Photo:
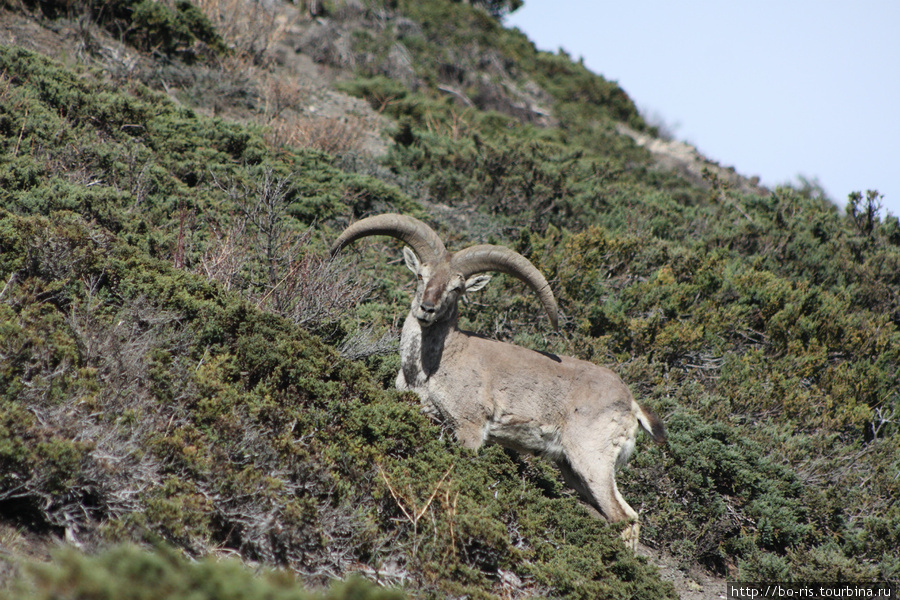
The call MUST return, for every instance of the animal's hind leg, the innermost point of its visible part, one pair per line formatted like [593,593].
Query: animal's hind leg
[593,475]
[469,434]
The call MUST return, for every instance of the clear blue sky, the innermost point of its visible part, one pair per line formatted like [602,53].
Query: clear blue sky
[778,89]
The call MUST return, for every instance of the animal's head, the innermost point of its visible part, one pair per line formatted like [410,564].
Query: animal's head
[444,277]
[439,287]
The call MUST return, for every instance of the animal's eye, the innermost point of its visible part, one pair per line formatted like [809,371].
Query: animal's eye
[419,276]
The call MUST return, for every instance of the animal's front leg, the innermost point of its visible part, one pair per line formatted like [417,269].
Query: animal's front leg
[429,410]
[400,382]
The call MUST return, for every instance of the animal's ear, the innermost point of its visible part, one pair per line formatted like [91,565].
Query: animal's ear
[411,260]
[477,282]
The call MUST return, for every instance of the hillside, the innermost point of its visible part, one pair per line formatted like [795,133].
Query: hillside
[184,377]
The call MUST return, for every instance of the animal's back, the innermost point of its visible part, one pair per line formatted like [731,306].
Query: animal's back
[543,386]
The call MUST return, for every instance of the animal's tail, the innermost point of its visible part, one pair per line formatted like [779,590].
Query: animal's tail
[651,424]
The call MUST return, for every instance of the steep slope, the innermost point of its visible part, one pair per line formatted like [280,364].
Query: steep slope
[142,402]
[761,325]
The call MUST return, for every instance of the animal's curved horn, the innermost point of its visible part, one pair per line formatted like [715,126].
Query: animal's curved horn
[485,257]
[419,236]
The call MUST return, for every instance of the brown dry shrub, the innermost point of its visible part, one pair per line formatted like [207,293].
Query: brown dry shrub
[251,29]
[265,256]
[278,96]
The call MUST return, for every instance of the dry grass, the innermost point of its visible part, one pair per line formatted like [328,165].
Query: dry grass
[334,135]
[282,112]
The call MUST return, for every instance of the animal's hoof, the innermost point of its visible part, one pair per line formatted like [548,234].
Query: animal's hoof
[631,534]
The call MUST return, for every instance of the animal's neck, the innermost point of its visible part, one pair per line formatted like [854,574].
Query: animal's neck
[421,348]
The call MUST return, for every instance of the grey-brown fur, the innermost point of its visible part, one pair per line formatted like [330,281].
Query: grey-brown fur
[580,415]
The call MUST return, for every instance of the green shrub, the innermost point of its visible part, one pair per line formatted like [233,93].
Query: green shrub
[150,26]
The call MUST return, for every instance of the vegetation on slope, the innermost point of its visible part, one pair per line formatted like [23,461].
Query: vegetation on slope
[129,573]
[763,326]
[141,401]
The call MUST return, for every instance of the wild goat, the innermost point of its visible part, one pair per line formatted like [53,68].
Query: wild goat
[580,415]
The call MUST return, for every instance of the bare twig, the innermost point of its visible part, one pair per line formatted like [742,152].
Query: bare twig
[9,282]
[413,515]
[21,133]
